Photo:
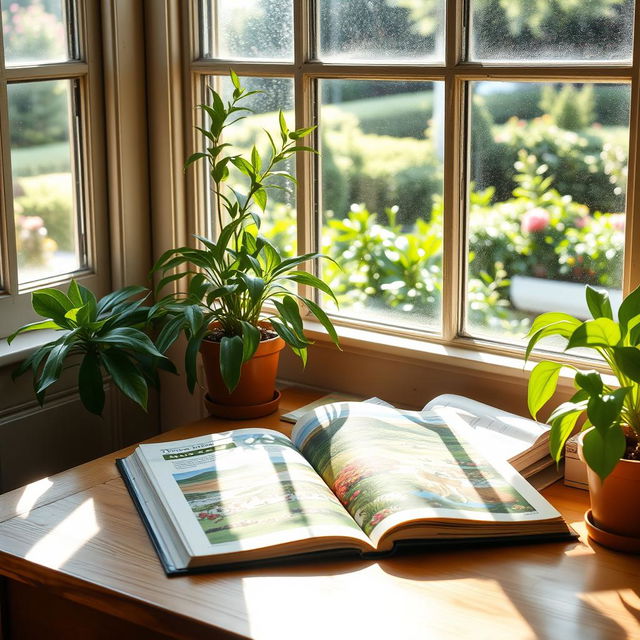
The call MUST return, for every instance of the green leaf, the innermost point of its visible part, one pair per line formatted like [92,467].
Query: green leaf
[288,335]
[126,376]
[323,319]
[290,263]
[163,282]
[130,338]
[290,311]
[604,411]
[191,358]
[250,340]
[115,297]
[309,280]
[169,333]
[629,309]
[73,293]
[563,328]
[590,381]
[302,354]
[598,303]
[35,326]
[51,303]
[53,366]
[552,317]
[542,384]
[90,384]
[255,286]
[601,332]
[193,157]
[628,361]
[234,79]
[284,130]
[563,421]
[256,161]
[301,133]
[231,358]
[603,450]
[243,166]
[260,196]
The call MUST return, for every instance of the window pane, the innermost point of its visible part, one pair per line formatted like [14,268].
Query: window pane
[46,214]
[373,30]
[382,198]
[34,31]
[547,200]
[279,220]
[564,30]
[247,29]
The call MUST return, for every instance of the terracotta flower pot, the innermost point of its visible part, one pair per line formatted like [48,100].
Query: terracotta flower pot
[256,393]
[614,518]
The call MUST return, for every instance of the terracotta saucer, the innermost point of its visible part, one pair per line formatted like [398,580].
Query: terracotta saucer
[610,540]
[242,412]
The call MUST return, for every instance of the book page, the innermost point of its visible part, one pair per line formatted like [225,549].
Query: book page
[242,489]
[506,434]
[388,466]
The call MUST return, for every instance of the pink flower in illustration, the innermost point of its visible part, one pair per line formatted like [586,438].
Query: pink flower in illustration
[535,220]
[380,516]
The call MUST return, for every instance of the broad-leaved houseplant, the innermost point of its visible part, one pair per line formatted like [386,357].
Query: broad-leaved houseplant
[237,303]
[607,409]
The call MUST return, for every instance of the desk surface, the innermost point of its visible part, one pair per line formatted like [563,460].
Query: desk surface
[78,536]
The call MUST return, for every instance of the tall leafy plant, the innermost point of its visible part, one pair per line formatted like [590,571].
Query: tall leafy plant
[100,337]
[614,410]
[230,279]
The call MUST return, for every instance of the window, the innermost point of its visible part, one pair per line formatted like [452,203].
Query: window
[51,213]
[474,155]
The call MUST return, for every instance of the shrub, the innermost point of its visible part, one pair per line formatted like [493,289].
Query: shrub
[50,197]
[574,159]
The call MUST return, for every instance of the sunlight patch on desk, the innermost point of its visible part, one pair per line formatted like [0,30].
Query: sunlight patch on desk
[30,496]
[607,601]
[65,539]
[374,603]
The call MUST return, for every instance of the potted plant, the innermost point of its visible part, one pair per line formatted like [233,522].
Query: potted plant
[230,279]
[100,337]
[609,408]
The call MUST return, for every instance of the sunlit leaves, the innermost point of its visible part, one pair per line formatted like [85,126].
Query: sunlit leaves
[231,278]
[542,384]
[105,337]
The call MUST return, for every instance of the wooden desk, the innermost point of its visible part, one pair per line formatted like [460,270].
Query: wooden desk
[78,564]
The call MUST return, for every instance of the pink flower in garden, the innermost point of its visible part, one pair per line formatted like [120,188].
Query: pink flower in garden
[582,221]
[535,220]
[31,223]
[618,221]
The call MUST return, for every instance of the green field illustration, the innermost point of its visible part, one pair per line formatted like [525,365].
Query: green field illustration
[377,466]
[249,501]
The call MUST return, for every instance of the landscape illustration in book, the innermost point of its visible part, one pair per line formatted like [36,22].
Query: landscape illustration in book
[256,490]
[405,461]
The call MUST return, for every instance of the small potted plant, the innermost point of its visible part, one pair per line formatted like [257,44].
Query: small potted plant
[609,410]
[229,280]
[101,337]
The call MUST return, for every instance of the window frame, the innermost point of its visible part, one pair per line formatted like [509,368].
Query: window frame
[88,161]
[456,73]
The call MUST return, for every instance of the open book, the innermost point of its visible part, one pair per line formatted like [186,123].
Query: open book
[356,477]
[522,442]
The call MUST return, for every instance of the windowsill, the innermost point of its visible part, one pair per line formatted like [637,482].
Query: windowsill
[24,345]
[389,346]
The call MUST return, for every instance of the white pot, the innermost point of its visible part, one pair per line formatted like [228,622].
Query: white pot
[538,295]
